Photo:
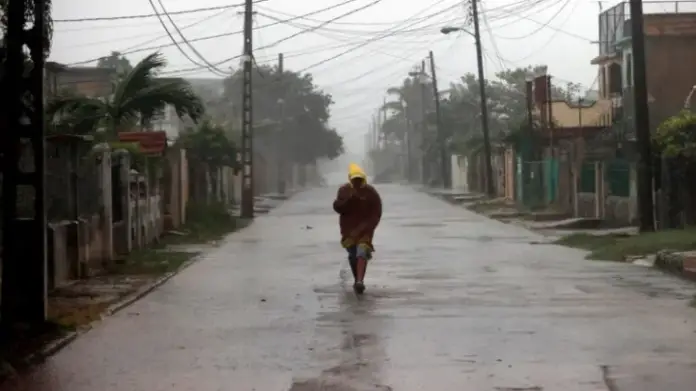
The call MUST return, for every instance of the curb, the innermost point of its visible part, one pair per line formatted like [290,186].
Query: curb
[670,261]
[57,345]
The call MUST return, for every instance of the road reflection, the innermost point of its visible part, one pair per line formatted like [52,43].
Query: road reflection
[361,352]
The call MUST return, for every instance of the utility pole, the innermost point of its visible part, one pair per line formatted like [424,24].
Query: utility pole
[442,141]
[424,98]
[281,136]
[642,120]
[247,210]
[490,185]
[24,276]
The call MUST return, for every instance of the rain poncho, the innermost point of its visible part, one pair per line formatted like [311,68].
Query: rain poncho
[360,210]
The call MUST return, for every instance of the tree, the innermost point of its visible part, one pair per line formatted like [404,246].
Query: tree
[408,107]
[290,99]
[507,104]
[208,150]
[117,62]
[139,97]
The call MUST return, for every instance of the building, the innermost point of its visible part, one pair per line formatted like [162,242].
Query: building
[670,45]
[91,82]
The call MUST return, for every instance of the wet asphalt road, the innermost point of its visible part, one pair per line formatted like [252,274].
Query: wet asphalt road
[454,301]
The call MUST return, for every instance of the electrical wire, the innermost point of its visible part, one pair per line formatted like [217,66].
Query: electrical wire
[331,33]
[181,50]
[143,16]
[552,37]
[215,36]
[212,67]
[491,36]
[361,8]
[379,37]
[562,8]
[157,38]
[364,43]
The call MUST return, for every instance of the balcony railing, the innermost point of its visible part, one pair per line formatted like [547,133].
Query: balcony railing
[614,23]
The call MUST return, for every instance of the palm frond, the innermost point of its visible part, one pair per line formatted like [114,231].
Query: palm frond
[159,94]
[75,114]
[142,76]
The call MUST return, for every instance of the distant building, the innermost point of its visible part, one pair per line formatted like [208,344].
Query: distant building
[207,88]
[91,82]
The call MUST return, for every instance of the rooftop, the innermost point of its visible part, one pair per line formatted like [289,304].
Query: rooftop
[151,143]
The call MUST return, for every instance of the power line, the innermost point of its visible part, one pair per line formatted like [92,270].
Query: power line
[545,24]
[209,37]
[345,32]
[158,37]
[371,4]
[387,34]
[554,35]
[359,45]
[212,67]
[143,16]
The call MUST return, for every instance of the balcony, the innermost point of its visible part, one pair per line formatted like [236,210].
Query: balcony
[615,26]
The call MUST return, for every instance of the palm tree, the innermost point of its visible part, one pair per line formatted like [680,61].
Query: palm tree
[138,98]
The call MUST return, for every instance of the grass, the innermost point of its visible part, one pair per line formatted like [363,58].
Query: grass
[205,224]
[617,247]
[151,261]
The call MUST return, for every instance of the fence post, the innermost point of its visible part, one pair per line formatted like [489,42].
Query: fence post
[107,227]
[125,200]
[575,178]
[597,190]
[146,212]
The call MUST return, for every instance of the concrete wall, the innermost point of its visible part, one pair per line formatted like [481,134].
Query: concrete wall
[570,114]
[459,172]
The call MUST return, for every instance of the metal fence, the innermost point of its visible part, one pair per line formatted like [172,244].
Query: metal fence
[617,174]
[587,178]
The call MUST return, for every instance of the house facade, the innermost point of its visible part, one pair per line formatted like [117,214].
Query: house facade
[670,55]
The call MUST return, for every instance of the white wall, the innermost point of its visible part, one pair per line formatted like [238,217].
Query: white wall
[459,166]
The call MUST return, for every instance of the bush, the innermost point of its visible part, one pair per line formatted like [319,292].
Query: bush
[676,137]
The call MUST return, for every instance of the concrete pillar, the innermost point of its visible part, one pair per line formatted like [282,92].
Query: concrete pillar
[126,200]
[600,194]
[146,207]
[107,226]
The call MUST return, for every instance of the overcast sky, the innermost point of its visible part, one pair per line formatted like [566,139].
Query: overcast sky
[388,38]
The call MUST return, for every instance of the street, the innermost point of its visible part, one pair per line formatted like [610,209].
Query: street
[454,301]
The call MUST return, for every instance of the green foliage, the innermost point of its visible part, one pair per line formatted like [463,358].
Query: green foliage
[139,97]
[292,104]
[209,144]
[676,137]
